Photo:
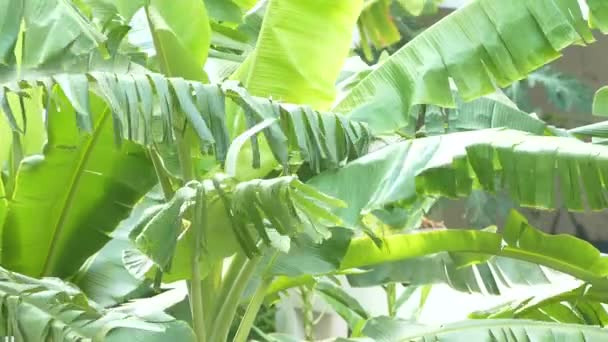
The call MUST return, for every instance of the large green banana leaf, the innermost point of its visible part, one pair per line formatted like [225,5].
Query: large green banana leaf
[454,164]
[53,44]
[520,241]
[300,51]
[278,69]
[49,309]
[485,44]
[384,329]
[491,277]
[492,111]
[104,277]
[580,305]
[293,210]
[324,140]
[181,45]
[526,246]
[24,134]
[79,190]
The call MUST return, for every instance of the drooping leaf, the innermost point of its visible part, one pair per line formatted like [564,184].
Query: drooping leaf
[478,46]
[383,329]
[580,258]
[454,164]
[324,140]
[48,44]
[104,277]
[364,251]
[277,69]
[307,258]
[79,189]
[580,305]
[182,45]
[344,304]
[158,237]
[491,277]
[49,309]
[243,213]
[224,10]
[600,103]
[520,242]
[483,209]
[492,111]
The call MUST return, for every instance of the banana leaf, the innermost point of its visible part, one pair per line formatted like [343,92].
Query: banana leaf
[50,309]
[479,47]
[80,188]
[383,329]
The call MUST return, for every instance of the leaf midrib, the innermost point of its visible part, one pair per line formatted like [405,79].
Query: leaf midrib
[501,323]
[73,187]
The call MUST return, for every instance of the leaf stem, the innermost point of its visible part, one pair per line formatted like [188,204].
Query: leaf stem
[196,291]
[252,310]
[391,299]
[234,289]
[256,302]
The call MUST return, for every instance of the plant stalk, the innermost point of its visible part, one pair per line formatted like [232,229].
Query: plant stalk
[308,312]
[256,302]
[211,288]
[252,310]
[235,289]
[391,299]
[196,291]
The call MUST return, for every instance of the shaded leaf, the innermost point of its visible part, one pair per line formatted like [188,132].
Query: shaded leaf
[131,97]
[80,189]
[104,277]
[492,277]
[600,103]
[385,329]
[580,305]
[38,310]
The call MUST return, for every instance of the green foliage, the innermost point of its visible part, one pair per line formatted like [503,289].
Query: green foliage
[600,103]
[49,309]
[581,305]
[475,40]
[308,194]
[563,91]
[386,330]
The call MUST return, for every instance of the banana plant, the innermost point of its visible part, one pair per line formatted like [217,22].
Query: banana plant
[125,174]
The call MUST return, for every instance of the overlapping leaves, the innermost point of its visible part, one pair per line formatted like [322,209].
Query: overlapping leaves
[385,329]
[143,110]
[246,212]
[580,305]
[478,47]
[49,309]
[48,44]
[529,167]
